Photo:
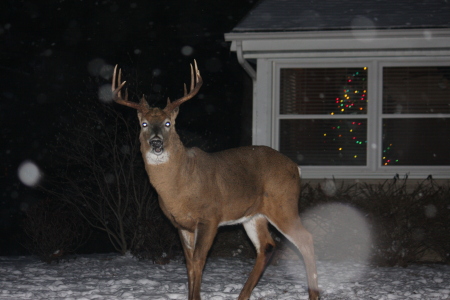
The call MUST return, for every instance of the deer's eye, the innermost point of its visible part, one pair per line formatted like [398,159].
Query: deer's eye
[167,124]
[144,124]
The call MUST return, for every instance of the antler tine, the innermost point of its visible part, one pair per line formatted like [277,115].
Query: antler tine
[192,75]
[196,83]
[117,91]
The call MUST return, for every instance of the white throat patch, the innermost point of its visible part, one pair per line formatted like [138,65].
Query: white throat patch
[153,159]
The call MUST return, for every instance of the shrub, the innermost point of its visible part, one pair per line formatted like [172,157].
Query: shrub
[408,220]
[408,223]
[232,241]
[156,238]
[53,231]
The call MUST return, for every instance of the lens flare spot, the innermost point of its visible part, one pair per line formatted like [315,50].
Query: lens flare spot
[29,174]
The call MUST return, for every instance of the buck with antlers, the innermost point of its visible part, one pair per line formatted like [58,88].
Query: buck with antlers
[201,191]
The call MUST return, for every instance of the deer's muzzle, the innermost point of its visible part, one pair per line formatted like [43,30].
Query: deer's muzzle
[157,146]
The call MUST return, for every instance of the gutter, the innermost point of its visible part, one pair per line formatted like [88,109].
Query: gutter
[240,56]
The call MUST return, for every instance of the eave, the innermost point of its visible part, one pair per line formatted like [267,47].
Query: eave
[258,44]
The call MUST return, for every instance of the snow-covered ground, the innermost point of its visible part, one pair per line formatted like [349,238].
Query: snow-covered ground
[123,277]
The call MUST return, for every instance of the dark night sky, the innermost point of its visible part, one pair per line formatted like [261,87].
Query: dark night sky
[49,50]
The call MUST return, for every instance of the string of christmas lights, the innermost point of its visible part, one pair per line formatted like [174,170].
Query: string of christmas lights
[352,101]
[386,159]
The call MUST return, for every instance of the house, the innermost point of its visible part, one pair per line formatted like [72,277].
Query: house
[351,89]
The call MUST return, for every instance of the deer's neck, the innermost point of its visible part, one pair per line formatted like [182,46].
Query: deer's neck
[168,168]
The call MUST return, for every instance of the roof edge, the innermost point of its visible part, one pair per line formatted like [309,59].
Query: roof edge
[428,33]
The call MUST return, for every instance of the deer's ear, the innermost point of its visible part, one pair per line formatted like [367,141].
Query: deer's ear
[143,103]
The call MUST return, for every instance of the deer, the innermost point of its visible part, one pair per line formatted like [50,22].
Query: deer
[200,191]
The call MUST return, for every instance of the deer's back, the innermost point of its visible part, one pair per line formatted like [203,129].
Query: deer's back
[250,170]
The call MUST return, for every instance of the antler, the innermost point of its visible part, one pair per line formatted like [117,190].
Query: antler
[116,88]
[196,83]
[117,85]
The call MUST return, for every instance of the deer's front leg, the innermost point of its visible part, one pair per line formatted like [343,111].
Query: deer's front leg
[196,246]
[188,242]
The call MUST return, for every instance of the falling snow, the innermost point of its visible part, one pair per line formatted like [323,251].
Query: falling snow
[187,50]
[105,93]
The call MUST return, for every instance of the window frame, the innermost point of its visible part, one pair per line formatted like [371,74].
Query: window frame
[374,167]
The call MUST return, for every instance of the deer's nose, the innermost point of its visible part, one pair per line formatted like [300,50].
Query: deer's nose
[157,145]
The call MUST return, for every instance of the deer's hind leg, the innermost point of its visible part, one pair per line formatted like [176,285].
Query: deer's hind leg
[258,232]
[290,225]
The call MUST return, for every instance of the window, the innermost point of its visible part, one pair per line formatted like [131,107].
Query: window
[415,131]
[371,116]
[330,122]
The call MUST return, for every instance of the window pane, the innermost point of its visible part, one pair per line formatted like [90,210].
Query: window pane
[409,90]
[322,142]
[416,142]
[323,91]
